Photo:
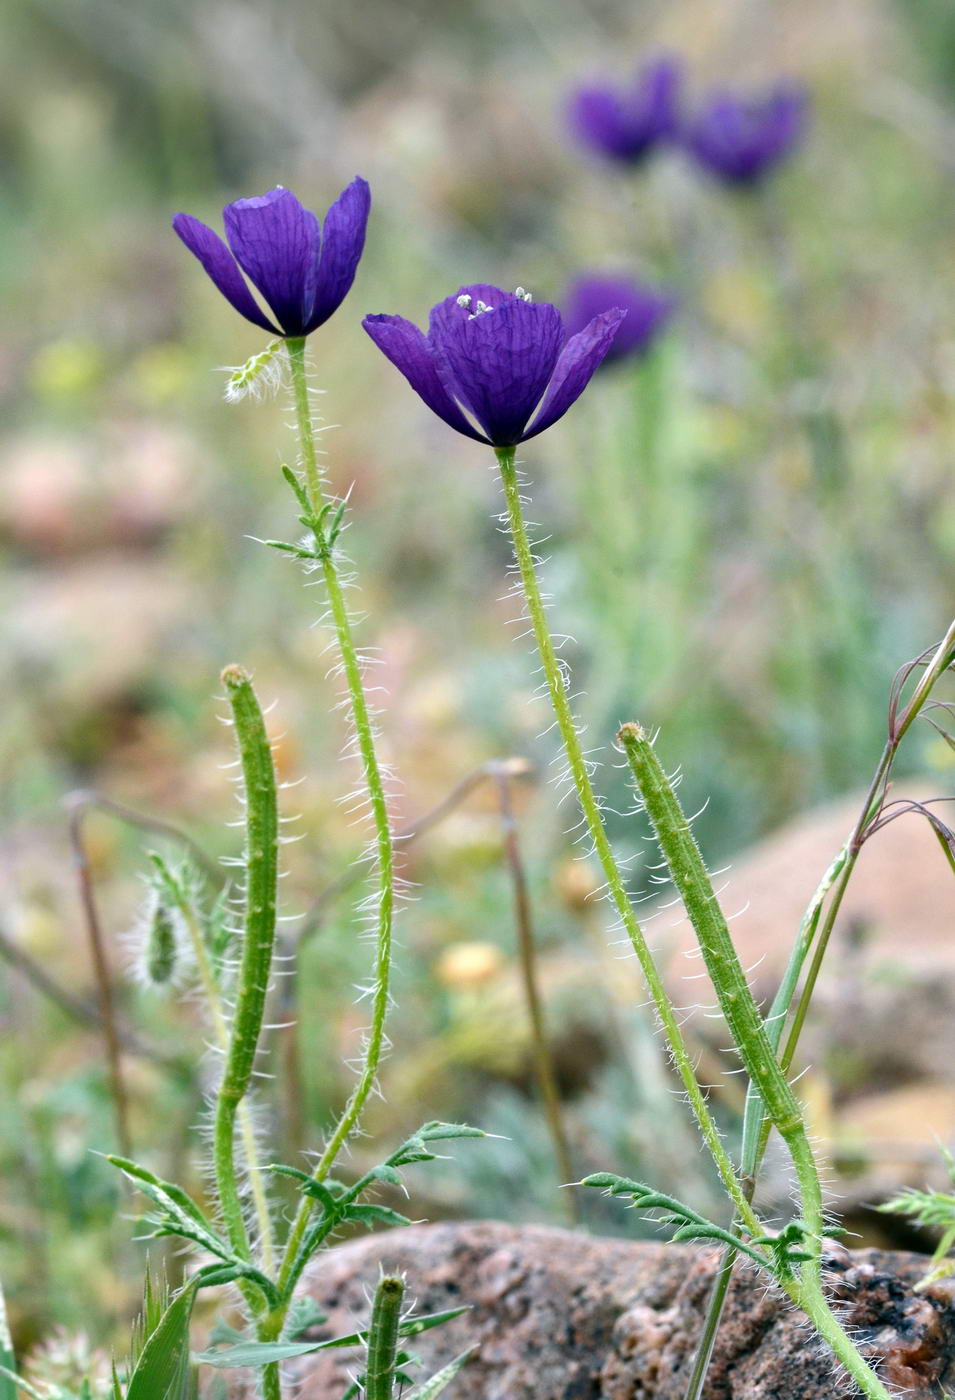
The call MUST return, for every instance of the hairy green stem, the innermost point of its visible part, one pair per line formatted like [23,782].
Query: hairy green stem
[756,1126]
[384,841]
[754,1122]
[261,873]
[220,1027]
[601,842]
[692,882]
[756,1050]
[383,1338]
[814,934]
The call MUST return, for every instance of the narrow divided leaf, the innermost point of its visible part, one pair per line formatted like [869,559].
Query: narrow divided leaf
[428,1389]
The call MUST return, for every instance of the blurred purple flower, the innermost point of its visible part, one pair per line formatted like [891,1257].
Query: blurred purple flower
[740,140]
[500,357]
[648,311]
[303,272]
[626,123]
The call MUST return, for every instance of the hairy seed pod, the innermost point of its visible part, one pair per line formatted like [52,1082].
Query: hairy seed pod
[160,946]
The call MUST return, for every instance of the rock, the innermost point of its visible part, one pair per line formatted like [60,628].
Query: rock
[559,1316]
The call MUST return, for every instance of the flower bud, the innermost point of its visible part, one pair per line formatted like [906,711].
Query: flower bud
[160,946]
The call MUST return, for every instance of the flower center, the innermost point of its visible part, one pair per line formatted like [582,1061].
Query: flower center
[480,307]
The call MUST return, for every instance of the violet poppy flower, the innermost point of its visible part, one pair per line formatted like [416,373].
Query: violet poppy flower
[625,124]
[303,272]
[648,311]
[740,140]
[498,356]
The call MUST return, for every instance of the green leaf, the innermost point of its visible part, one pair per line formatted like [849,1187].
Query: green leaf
[303,1313]
[375,1215]
[222,1333]
[180,1216]
[164,1193]
[414,1326]
[162,1371]
[317,1190]
[428,1389]
[616,1185]
[293,549]
[436,1131]
[261,1353]
[386,1172]
[255,1353]
[297,487]
[693,1226]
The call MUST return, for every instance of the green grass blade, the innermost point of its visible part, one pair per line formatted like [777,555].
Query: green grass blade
[162,1371]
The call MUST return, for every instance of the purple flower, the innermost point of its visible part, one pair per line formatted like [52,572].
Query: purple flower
[498,356]
[303,272]
[625,124]
[648,311]
[741,139]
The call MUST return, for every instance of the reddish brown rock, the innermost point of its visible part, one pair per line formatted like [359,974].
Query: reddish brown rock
[559,1316]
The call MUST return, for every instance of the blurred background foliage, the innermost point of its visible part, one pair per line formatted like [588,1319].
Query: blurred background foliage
[747,532]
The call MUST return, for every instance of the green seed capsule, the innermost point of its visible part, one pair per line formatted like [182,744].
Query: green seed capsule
[160,946]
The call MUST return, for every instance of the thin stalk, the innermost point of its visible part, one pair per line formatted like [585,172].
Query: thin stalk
[104,980]
[899,727]
[384,842]
[85,1013]
[405,836]
[261,874]
[543,1063]
[143,821]
[604,852]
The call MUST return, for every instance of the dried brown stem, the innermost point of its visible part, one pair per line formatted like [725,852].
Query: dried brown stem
[543,1062]
[104,983]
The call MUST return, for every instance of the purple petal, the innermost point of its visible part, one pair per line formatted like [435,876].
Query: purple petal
[579,358]
[276,242]
[408,350]
[626,123]
[498,361]
[648,311]
[221,266]
[597,116]
[741,139]
[343,238]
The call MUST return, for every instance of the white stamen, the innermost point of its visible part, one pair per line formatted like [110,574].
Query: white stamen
[482,307]
[522,295]
[464,299]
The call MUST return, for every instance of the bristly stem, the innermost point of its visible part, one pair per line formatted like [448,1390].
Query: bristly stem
[543,1061]
[374,782]
[220,1027]
[261,874]
[592,815]
[814,934]
[756,1050]
[688,873]
[383,1338]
